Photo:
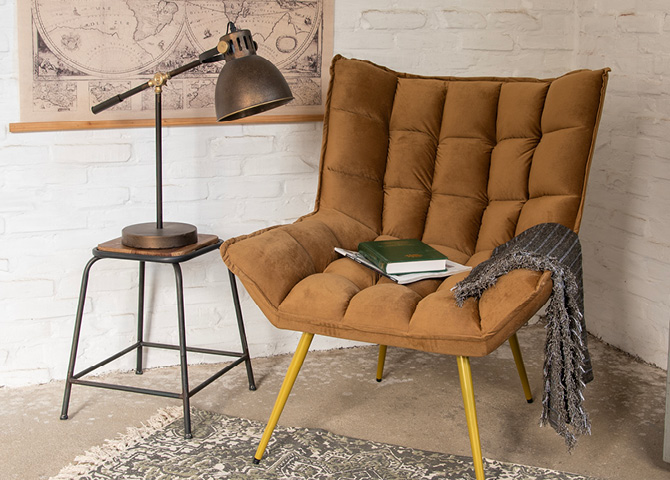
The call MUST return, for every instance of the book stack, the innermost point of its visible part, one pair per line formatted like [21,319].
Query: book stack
[404,261]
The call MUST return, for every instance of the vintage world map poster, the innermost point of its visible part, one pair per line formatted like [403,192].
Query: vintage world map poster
[77,53]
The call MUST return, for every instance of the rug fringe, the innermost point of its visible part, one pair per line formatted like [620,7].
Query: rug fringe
[113,448]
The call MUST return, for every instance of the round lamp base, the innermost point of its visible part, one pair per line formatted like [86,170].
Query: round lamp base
[147,236]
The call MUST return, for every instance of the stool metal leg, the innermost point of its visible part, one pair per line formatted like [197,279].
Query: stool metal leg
[140,319]
[182,351]
[75,338]
[243,335]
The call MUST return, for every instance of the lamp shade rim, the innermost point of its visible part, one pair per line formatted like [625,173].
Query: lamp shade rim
[236,114]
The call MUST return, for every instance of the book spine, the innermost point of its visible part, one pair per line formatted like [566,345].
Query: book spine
[373,256]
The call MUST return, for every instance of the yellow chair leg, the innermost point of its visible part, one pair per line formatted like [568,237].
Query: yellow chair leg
[380,362]
[518,359]
[467,389]
[284,392]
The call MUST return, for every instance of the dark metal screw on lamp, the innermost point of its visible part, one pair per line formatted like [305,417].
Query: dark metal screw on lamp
[248,84]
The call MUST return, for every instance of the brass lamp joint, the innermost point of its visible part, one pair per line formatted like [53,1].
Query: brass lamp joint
[158,81]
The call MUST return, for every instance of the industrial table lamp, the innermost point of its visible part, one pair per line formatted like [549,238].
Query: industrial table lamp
[248,84]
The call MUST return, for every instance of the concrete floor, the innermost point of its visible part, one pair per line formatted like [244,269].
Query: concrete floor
[417,405]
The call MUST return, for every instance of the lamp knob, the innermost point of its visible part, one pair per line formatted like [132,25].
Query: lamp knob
[222,47]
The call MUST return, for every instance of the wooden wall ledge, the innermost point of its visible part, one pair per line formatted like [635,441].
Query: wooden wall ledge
[22,127]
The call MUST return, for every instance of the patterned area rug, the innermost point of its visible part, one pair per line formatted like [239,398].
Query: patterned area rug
[223,447]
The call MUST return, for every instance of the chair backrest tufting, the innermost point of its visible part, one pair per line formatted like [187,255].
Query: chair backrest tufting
[462,162]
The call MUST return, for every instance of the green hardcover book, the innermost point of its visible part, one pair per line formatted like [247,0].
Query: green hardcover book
[403,256]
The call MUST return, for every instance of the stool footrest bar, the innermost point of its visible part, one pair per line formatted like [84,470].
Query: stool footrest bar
[216,376]
[106,361]
[207,351]
[127,388]
[76,379]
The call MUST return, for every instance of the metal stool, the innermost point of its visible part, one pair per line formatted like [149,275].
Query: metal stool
[116,250]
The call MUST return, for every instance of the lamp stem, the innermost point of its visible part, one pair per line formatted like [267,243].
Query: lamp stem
[159,160]
[169,234]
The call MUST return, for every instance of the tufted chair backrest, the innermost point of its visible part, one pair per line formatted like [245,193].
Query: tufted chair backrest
[466,163]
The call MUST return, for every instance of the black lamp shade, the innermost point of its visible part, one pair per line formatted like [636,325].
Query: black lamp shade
[247,86]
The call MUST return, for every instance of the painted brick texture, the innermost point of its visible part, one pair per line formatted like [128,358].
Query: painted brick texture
[63,193]
[626,229]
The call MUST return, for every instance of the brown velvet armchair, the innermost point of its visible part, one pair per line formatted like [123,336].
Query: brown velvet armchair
[463,164]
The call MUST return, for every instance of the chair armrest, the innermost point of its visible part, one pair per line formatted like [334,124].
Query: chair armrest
[270,262]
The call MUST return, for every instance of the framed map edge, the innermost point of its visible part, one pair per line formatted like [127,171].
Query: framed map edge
[285,114]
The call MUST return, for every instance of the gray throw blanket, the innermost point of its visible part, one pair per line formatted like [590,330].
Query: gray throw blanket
[567,364]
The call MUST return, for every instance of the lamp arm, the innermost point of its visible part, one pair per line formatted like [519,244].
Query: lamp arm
[214,54]
[184,68]
[116,99]
[209,56]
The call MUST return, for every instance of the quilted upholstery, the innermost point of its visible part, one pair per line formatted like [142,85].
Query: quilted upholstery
[463,164]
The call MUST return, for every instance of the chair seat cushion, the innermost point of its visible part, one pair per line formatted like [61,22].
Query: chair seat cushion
[346,301]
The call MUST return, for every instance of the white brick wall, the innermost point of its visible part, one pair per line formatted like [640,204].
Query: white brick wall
[62,193]
[626,229]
